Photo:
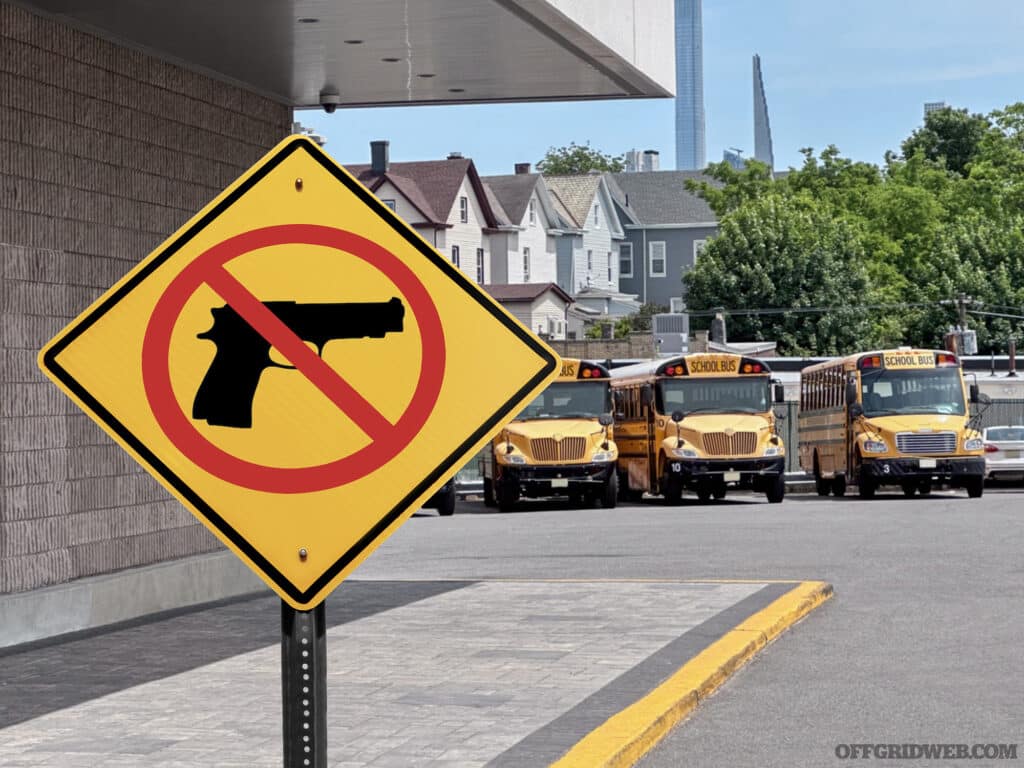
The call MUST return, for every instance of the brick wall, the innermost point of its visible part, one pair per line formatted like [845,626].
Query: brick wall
[636,346]
[104,152]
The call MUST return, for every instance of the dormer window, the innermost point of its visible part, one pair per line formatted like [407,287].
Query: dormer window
[464,210]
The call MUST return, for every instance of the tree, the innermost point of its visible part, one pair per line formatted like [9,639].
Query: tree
[573,159]
[952,136]
[782,253]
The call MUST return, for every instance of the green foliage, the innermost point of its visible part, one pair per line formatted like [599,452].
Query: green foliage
[892,245]
[577,158]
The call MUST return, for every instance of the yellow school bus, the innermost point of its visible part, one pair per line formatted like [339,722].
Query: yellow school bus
[892,417]
[702,422]
[561,444]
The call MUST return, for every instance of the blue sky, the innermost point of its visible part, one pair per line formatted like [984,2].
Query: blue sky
[854,74]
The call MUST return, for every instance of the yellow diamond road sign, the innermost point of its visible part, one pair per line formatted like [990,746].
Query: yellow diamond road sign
[299,368]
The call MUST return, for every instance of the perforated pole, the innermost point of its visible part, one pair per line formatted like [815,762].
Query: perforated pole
[304,686]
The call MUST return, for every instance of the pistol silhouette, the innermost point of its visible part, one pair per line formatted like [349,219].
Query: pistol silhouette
[225,396]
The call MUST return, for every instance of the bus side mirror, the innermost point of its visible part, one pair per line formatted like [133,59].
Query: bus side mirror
[605,420]
[856,410]
[851,392]
[975,393]
[779,392]
[677,416]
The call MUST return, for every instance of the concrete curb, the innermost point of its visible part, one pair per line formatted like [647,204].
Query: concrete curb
[627,736]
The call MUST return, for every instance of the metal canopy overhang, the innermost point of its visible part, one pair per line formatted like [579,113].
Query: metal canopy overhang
[400,52]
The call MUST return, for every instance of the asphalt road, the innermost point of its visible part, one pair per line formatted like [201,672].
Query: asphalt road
[921,644]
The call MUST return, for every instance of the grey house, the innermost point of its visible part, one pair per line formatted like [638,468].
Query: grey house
[665,227]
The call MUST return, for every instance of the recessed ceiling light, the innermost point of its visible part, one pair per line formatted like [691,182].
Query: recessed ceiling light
[426,74]
[308,20]
[390,59]
[354,42]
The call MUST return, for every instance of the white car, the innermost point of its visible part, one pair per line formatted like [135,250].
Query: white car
[1004,451]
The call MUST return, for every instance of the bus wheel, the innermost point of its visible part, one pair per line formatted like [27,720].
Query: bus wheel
[866,487]
[507,498]
[489,492]
[446,506]
[839,485]
[776,490]
[975,487]
[909,489]
[703,494]
[610,494]
[673,491]
[821,485]
[718,492]
[925,488]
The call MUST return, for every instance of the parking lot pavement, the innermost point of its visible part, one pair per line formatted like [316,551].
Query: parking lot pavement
[440,673]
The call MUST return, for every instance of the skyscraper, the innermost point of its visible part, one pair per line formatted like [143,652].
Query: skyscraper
[762,128]
[689,86]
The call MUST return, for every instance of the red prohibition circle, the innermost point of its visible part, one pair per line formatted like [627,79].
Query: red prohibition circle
[384,445]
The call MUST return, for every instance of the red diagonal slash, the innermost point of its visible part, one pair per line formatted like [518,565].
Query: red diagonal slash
[282,338]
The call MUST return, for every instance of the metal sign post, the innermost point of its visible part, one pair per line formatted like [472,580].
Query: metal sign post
[304,686]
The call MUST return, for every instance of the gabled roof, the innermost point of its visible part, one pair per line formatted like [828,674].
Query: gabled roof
[576,193]
[661,197]
[524,291]
[430,185]
[514,192]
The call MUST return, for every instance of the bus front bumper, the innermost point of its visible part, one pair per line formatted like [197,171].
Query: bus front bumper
[950,470]
[743,471]
[556,480]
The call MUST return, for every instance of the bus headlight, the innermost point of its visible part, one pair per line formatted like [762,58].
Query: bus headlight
[875,446]
[771,450]
[684,453]
[603,456]
[512,458]
[974,444]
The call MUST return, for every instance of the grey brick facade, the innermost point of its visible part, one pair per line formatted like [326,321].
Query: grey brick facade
[104,152]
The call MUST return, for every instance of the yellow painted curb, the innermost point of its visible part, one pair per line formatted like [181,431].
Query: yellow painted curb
[624,738]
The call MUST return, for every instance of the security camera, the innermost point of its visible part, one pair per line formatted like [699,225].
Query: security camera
[329,99]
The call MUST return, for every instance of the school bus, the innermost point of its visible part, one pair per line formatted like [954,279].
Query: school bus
[560,444]
[891,417]
[702,422]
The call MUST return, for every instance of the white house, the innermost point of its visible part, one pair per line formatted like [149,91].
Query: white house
[541,307]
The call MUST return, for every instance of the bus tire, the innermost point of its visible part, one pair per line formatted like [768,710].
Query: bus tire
[610,494]
[489,493]
[776,490]
[673,491]
[718,492]
[446,503]
[975,487]
[821,485]
[925,488]
[703,494]
[909,489]
[866,487]
[507,498]
[839,486]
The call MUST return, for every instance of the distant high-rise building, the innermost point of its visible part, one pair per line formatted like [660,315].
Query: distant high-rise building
[689,86]
[640,162]
[933,106]
[734,157]
[762,128]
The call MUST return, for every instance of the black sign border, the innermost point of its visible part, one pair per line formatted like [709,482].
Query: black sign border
[368,540]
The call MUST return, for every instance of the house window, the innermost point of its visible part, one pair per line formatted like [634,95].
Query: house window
[464,209]
[626,260]
[389,203]
[656,253]
[533,212]
[455,255]
[698,246]
[590,261]
[609,266]
[597,216]
[480,265]
[526,265]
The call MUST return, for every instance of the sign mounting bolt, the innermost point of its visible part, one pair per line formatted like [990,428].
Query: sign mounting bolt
[298,185]
[303,554]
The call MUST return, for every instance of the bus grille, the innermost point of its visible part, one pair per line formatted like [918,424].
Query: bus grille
[567,449]
[927,442]
[721,444]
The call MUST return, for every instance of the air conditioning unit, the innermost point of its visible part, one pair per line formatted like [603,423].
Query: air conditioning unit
[671,333]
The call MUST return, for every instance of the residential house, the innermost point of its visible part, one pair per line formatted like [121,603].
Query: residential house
[541,307]
[665,228]
[524,248]
[443,200]
[588,250]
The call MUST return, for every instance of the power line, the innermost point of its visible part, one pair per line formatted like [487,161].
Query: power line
[802,310]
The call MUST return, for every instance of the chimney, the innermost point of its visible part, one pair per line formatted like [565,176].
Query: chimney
[454,155]
[379,156]
[522,168]
[718,327]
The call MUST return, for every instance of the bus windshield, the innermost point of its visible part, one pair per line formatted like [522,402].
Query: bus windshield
[714,395]
[569,400]
[935,390]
